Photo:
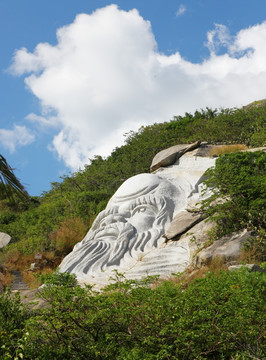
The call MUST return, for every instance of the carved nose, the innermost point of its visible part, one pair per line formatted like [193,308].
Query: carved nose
[111,219]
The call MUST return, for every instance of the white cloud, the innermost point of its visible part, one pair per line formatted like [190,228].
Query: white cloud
[18,136]
[42,121]
[181,10]
[105,77]
[218,37]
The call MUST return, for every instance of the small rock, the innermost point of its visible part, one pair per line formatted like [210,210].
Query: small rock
[4,239]
[32,267]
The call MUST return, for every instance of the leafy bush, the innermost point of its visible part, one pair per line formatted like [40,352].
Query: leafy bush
[59,279]
[238,181]
[219,317]
[85,193]
[13,316]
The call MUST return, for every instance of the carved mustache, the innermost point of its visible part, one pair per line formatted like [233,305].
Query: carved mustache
[116,230]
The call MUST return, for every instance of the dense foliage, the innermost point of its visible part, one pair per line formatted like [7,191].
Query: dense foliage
[220,316]
[217,317]
[79,197]
[238,182]
[13,316]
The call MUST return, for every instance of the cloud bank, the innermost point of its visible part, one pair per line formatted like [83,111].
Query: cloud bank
[106,76]
[18,136]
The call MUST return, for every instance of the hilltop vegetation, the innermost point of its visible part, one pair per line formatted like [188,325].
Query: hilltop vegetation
[53,222]
[218,315]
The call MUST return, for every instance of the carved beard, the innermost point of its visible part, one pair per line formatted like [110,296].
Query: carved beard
[117,245]
[118,248]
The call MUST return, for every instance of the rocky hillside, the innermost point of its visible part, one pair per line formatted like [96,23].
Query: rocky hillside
[52,223]
[206,312]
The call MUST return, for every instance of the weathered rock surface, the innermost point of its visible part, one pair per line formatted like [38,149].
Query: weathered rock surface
[196,237]
[31,299]
[255,149]
[228,248]
[128,235]
[4,239]
[182,222]
[252,267]
[169,156]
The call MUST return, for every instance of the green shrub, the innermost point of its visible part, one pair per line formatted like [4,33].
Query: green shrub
[219,317]
[238,181]
[85,193]
[13,316]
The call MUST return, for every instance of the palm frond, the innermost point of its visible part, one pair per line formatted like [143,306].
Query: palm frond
[9,182]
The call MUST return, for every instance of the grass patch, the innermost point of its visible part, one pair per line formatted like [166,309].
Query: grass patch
[226,149]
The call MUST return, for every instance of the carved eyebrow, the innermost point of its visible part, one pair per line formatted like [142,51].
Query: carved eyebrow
[144,200]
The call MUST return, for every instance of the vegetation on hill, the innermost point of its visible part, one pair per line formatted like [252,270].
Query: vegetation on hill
[238,181]
[220,315]
[41,224]
[217,317]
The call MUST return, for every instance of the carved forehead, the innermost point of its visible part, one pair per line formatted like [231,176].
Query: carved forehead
[135,187]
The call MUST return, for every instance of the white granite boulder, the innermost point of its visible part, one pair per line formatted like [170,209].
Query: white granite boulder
[128,236]
[4,239]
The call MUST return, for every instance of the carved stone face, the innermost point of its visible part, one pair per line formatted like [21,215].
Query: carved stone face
[130,227]
[128,234]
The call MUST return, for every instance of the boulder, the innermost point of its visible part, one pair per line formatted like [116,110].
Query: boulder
[169,156]
[182,222]
[128,235]
[252,267]
[263,148]
[32,300]
[197,236]
[228,248]
[4,239]
[204,149]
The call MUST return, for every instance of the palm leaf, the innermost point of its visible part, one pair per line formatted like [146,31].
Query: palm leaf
[9,182]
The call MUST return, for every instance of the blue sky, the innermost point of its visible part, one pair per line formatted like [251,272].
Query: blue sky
[69,94]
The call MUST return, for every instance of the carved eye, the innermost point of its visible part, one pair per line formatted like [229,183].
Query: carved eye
[139,209]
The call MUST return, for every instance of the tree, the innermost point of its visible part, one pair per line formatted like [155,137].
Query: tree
[9,183]
[238,201]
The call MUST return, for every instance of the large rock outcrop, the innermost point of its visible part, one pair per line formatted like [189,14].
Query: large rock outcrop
[228,248]
[152,225]
[133,234]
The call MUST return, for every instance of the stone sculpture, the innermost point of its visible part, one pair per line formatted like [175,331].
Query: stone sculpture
[129,235]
